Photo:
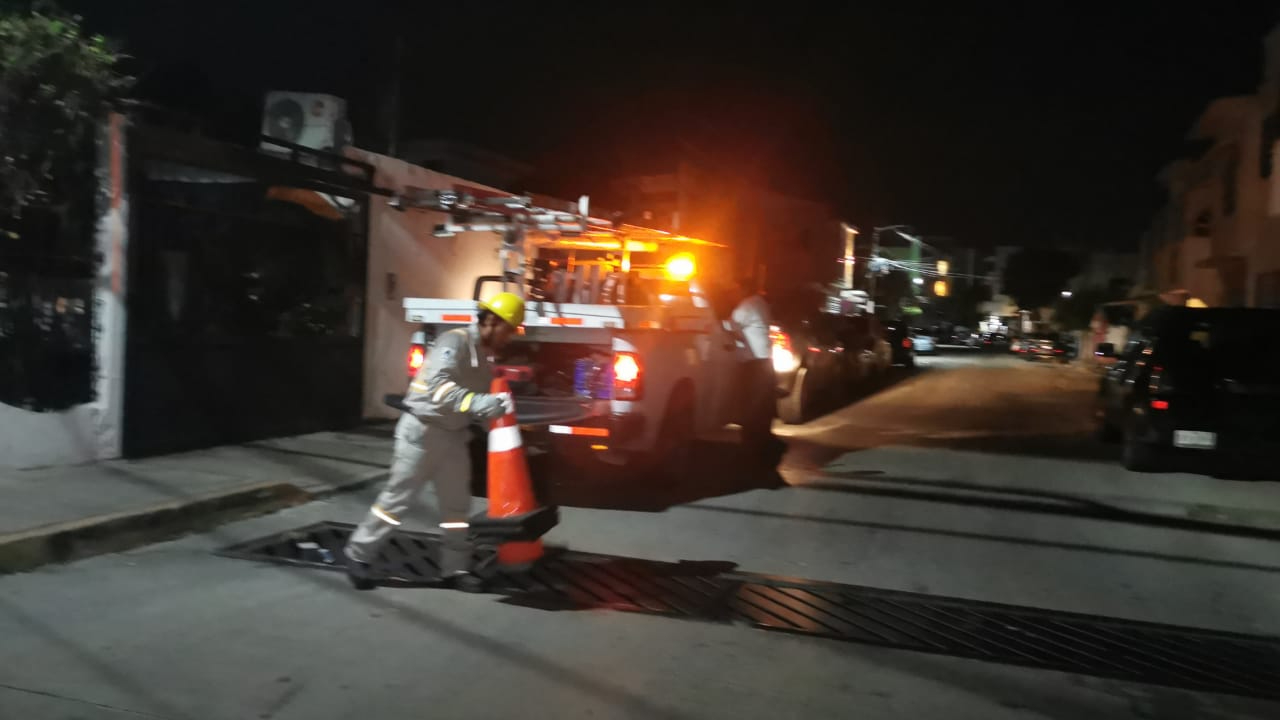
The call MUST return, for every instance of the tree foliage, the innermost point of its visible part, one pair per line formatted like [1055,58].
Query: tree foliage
[1034,277]
[56,82]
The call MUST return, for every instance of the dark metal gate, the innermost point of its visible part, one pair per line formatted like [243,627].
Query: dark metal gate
[246,292]
[1169,655]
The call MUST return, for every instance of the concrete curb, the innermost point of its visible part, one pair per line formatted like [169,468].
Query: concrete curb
[357,483]
[116,532]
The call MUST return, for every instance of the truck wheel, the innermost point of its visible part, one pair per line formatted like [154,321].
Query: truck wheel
[673,456]
[1108,432]
[1137,455]
[793,408]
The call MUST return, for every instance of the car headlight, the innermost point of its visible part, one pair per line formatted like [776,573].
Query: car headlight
[784,361]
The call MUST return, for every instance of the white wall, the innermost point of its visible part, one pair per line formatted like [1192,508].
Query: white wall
[400,243]
[91,431]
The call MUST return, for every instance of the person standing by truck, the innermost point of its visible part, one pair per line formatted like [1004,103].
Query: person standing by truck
[449,392]
[751,322]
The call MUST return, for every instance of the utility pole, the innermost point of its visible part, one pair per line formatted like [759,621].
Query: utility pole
[916,280]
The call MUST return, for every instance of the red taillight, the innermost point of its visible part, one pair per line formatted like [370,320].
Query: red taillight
[1059,351]
[417,356]
[626,376]
[1159,404]
[906,343]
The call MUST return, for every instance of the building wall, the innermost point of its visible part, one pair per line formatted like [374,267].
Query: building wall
[1234,258]
[90,431]
[1266,275]
[1179,268]
[406,261]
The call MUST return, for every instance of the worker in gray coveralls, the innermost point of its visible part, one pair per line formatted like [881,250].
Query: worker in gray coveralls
[450,391]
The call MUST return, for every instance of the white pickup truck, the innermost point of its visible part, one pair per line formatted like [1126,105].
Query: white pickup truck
[626,381]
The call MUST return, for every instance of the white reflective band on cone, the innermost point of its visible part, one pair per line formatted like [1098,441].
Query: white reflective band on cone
[504,438]
[455,525]
[384,516]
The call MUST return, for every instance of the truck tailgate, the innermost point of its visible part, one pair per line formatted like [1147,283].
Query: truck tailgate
[535,410]
[553,411]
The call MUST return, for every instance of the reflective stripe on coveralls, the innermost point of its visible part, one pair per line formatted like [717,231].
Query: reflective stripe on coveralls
[432,447]
[423,454]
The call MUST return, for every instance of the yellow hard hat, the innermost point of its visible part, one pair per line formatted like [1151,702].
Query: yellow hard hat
[508,306]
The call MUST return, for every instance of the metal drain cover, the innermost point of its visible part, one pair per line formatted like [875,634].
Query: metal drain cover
[1190,658]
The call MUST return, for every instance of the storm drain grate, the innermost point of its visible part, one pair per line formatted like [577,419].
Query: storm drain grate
[1090,645]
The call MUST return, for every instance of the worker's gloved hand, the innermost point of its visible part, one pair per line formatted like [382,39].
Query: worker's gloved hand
[508,403]
[488,406]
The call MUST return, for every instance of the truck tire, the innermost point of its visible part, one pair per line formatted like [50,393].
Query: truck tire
[1138,456]
[673,456]
[793,408]
[1107,432]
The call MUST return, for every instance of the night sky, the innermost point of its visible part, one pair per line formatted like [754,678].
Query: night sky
[1032,124]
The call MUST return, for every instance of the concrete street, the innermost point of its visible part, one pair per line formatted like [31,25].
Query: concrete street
[976,477]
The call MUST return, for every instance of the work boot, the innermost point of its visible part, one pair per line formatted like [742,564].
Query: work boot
[466,582]
[360,574]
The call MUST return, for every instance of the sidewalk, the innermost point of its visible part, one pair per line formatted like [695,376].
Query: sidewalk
[63,513]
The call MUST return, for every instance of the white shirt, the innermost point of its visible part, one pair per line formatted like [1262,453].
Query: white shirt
[751,321]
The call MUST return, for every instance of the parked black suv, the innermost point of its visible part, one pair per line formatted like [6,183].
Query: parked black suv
[1196,383]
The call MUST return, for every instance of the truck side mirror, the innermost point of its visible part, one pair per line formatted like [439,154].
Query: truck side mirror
[1105,350]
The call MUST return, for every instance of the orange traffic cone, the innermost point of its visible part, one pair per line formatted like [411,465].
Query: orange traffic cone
[510,489]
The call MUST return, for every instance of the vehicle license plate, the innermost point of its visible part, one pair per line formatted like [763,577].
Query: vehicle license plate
[1195,439]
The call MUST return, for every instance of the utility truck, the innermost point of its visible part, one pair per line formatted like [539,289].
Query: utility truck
[626,355]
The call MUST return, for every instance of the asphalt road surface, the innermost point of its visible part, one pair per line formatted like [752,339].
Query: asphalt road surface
[975,477]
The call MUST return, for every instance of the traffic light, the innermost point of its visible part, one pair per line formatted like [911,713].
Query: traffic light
[940,288]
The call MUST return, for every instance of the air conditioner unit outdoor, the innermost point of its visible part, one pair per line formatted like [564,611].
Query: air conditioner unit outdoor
[309,119]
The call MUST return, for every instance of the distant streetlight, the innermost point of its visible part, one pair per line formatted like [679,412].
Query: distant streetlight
[1066,293]
[918,280]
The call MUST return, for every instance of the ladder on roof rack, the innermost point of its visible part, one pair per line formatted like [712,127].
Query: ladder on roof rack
[474,210]
[518,217]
